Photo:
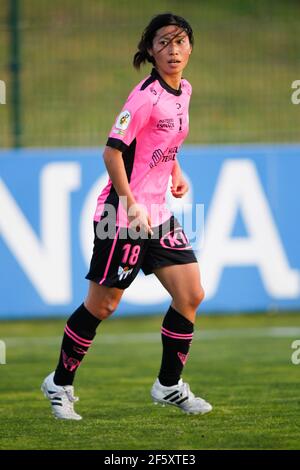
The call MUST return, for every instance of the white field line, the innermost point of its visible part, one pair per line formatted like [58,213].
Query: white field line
[206,335]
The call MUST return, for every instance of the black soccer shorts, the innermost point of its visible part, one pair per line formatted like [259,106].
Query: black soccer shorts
[116,261]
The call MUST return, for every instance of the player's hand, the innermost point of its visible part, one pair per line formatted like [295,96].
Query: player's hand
[139,219]
[179,186]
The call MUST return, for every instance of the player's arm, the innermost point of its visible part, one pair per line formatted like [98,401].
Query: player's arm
[179,185]
[115,166]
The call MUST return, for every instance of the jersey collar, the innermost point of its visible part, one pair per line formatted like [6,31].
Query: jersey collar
[155,74]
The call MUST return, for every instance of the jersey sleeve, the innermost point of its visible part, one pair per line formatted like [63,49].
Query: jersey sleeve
[133,118]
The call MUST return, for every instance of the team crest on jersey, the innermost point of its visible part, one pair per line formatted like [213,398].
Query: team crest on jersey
[123,120]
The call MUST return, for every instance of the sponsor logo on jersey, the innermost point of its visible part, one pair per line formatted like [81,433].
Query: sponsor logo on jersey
[176,240]
[123,120]
[158,156]
[171,155]
[124,272]
[166,124]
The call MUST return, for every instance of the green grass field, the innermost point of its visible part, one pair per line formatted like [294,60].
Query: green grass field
[241,364]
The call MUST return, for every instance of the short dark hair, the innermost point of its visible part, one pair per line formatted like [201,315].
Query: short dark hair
[157,22]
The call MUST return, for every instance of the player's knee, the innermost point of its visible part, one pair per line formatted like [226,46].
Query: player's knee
[201,295]
[190,300]
[103,309]
[196,297]
[107,309]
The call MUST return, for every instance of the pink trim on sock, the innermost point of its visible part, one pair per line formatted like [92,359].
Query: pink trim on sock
[79,350]
[110,257]
[76,338]
[172,334]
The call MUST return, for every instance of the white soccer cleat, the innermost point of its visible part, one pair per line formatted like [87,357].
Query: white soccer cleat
[61,398]
[179,395]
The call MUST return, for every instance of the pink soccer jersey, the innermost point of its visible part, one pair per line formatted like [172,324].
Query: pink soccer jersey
[149,131]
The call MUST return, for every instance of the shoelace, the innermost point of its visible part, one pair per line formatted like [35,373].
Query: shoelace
[198,399]
[66,392]
[70,395]
[186,391]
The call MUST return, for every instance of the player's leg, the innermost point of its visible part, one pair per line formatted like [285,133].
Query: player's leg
[79,333]
[171,258]
[114,265]
[80,329]
[102,301]
[184,285]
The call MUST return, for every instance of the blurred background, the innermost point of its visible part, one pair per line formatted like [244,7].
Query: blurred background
[67,65]
[67,69]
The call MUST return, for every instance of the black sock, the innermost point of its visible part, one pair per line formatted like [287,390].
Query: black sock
[80,331]
[176,335]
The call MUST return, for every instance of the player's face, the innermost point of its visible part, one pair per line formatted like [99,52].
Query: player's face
[171,49]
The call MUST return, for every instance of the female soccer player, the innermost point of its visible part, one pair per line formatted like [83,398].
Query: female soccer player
[140,156]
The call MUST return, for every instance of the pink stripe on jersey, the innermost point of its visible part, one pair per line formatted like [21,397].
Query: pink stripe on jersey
[110,257]
[172,334]
[76,338]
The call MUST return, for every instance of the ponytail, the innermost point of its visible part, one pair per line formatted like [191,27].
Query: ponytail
[142,55]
